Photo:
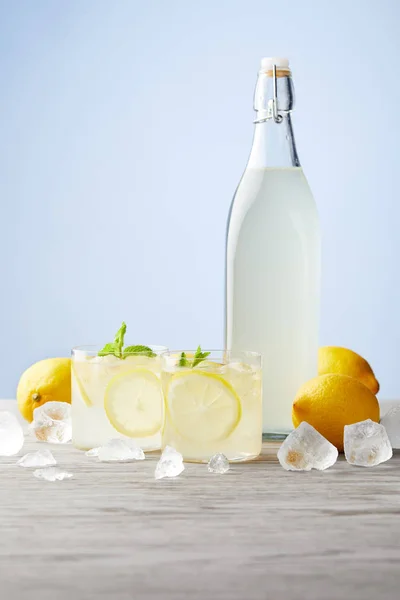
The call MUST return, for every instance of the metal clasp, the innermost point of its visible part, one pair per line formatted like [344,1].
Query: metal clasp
[272,109]
[277,117]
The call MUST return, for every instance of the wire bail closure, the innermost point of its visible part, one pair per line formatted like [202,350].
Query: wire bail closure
[276,116]
[272,110]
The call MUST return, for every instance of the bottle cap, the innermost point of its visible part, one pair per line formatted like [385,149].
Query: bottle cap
[281,63]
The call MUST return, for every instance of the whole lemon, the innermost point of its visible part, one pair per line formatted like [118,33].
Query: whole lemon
[333,359]
[46,380]
[329,402]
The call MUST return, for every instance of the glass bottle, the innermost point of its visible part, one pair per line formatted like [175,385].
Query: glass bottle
[273,254]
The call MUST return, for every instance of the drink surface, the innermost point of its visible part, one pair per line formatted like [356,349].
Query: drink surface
[272,286]
[213,408]
[116,398]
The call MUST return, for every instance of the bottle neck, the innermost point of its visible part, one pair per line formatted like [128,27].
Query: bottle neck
[273,143]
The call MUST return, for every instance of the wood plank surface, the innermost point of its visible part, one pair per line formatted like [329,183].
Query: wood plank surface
[257,532]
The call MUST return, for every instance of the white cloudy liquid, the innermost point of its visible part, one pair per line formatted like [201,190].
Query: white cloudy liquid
[272,287]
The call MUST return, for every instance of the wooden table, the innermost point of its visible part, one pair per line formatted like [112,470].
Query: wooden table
[257,532]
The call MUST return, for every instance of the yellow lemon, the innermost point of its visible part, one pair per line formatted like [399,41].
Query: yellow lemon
[46,380]
[329,402]
[333,359]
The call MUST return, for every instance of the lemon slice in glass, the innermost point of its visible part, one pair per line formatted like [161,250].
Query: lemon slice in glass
[77,380]
[202,406]
[92,376]
[133,403]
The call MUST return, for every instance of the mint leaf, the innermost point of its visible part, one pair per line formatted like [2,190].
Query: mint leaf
[183,361]
[140,350]
[116,346]
[109,349]
[120,336]
[199,356]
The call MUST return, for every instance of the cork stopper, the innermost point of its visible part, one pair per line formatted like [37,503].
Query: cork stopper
[282,66]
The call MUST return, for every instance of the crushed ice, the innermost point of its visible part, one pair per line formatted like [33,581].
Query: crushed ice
[52,474]
[170,464]
[11,434]
[305,449]
[117,450]
[41,458]
[52,423]
[391,422]
[218,464]
[366,444]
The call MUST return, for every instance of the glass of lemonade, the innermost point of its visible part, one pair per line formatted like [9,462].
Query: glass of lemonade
[117,393]
[212,404]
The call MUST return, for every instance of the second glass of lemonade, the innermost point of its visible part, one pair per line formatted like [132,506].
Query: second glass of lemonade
[212,405]
[116,397]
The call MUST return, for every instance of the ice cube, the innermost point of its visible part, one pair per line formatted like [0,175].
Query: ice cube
[170,463]
[244,378]
[108,359]
[41,458]
[52,474]
[391,422]
[218,464]
[305,449]
[96,360]
[52,423]
[119,451]
[210,366]
[11,434]
[93,452]
[170,451]
[239,367]
[366,444]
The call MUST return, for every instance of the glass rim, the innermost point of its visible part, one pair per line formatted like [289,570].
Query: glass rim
[249,353]
[94,349]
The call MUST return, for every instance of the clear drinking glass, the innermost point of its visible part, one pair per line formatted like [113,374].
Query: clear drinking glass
[116,398]
[213,406]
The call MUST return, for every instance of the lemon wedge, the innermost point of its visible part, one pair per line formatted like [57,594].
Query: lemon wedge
[202,406]
[133,403]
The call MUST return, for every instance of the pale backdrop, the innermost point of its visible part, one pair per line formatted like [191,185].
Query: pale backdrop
[124,129]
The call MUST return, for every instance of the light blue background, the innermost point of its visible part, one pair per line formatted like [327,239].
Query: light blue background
[125,127]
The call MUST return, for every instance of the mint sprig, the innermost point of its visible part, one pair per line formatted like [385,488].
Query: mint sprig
[117,346]
[198,357]
[109,349]
[120,337]
[183,361]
